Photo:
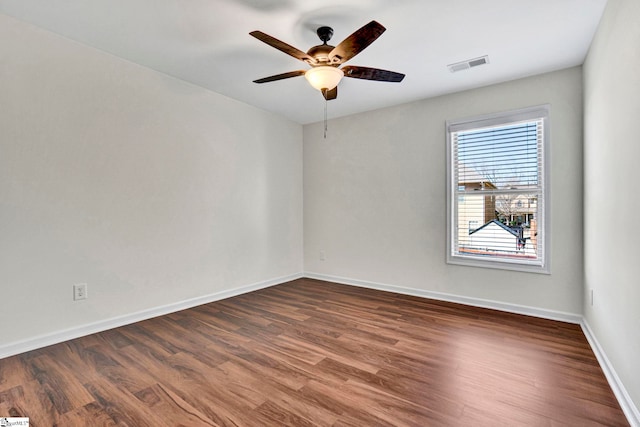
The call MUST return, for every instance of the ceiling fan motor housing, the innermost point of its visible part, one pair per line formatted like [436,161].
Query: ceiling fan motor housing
[320,53]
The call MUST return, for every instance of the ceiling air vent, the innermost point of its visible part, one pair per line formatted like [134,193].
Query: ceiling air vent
[470,63]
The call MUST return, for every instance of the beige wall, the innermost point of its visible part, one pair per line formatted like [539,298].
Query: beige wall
[375,196]
[151,190]
[612,150]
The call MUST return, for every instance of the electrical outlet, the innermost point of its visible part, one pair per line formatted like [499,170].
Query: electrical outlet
[591,297]
[322,256]
[80,291]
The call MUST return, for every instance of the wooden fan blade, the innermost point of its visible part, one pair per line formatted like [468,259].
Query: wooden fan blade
[356,42]
[280,76]
[330,94]
[367,73]
[283,47]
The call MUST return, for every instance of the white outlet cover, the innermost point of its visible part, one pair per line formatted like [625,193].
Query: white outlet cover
[80,291]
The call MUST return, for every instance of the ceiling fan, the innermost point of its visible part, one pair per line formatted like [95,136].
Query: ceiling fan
[325,59]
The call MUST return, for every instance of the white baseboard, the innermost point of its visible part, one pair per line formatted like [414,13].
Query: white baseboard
[34,343]
[476,302]
[628,407]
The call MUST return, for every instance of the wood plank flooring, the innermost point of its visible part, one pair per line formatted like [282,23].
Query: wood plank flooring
[312,353]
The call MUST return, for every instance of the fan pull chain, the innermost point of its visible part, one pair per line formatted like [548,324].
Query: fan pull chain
[325,118]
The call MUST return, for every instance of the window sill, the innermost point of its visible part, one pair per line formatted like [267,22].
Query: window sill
[470,261]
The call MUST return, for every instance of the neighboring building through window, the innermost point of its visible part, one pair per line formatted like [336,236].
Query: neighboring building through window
[497,183]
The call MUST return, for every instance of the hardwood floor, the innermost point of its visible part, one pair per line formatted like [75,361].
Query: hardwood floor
[312,353]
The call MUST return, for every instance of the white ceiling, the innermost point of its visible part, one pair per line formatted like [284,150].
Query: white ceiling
[207,43]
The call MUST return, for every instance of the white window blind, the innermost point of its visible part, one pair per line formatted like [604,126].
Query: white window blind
[497,190]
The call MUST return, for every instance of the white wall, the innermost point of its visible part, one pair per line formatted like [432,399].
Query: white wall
[375,196]
[612,151]
[151,190]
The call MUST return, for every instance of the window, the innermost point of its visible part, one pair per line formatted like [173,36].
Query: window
[497,180]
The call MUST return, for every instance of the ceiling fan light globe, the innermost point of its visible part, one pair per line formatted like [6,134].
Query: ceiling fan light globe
[324,77]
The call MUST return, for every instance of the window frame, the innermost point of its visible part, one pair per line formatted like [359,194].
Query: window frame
[540,112]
